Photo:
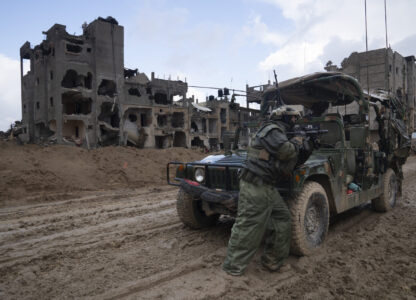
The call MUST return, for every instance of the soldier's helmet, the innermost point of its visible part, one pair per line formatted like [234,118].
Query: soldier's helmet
[284,112]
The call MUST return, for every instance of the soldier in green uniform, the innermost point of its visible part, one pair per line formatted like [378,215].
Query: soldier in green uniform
[261,209]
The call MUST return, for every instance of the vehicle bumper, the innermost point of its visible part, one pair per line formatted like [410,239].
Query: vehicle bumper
[227,198]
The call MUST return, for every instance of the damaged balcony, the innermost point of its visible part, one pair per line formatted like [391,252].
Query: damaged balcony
[74,103]
[109,123]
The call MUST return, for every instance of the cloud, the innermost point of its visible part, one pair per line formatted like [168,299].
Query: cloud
[295,58]
[260,32]
[170,41]
[406,46]
[331,29]
[198,93]
[10,99]
[337,49]
[161,26]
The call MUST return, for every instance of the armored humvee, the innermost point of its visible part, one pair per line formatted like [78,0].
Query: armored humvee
[344,171]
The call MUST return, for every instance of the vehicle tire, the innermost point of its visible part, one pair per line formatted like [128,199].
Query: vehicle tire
[388,199]
[310,219]
[190,211]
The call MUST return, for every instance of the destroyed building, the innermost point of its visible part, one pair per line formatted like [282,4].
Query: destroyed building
[217,119]
[384,71]
[78,91]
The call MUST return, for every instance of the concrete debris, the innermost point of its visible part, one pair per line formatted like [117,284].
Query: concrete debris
[15,130]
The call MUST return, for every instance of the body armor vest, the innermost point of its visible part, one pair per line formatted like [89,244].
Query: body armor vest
[259,160]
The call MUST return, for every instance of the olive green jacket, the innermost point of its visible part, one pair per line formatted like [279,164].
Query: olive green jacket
[271,154]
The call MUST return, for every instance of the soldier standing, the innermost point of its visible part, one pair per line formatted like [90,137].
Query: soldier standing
[261,209]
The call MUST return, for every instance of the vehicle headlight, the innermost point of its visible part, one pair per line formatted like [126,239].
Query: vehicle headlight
[199,174]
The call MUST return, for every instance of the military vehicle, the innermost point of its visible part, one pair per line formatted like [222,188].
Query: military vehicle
[344,171]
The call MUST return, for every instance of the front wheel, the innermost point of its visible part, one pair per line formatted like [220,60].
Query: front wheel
[310,219]
[388,199]
[190,211]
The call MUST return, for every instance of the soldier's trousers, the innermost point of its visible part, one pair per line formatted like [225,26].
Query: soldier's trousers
[261,212]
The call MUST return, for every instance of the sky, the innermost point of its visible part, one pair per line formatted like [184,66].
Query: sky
[228,43]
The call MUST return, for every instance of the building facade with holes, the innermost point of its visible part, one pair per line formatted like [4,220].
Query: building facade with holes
[78,91]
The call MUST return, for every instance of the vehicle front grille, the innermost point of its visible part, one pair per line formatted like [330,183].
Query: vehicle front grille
[217,178]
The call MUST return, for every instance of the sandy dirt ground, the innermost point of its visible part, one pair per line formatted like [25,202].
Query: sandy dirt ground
[129,243]
[57,171]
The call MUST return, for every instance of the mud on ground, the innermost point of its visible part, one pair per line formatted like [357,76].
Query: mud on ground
[129,243]
[46,173]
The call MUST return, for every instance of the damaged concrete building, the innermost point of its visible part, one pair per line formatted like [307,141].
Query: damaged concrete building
[217,119]
[384,70]
[78,91]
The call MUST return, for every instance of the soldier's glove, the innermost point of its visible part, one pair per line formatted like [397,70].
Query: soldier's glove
[305,151]
[307,145]
[297,140]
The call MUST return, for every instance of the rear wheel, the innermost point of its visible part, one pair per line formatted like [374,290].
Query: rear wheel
[310,219]
[388,199]
[190,211]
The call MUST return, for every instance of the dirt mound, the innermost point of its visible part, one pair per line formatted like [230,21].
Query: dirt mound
[32,169]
